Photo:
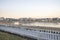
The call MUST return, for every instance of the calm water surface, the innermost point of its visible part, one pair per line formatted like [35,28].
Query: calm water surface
[44,24]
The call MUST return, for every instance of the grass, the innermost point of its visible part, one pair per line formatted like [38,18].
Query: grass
[7,36]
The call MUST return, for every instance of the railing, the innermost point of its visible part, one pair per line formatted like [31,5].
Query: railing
[36,34]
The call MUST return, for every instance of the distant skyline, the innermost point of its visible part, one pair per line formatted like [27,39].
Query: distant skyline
[30,8]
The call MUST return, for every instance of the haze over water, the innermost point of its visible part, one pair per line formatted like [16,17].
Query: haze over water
[44,24]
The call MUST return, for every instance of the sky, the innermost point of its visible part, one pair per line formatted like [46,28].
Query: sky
[30,8]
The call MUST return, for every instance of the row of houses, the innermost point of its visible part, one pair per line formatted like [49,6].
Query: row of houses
[30,19]
[39,20]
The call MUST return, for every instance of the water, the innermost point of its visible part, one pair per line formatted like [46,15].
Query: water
[43,24]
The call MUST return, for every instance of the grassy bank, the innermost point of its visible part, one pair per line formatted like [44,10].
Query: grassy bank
[7,36]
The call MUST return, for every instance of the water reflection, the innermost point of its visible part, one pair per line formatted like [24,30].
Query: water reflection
[43,24]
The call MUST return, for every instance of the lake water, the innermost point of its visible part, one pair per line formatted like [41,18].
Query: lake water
[43,24]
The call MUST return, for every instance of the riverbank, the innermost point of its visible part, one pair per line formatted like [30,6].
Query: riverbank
[7,36]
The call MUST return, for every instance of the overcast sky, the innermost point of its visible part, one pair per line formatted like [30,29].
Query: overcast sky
[29,8]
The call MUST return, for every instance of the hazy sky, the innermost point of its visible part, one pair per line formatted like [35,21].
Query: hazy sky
[29,8]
